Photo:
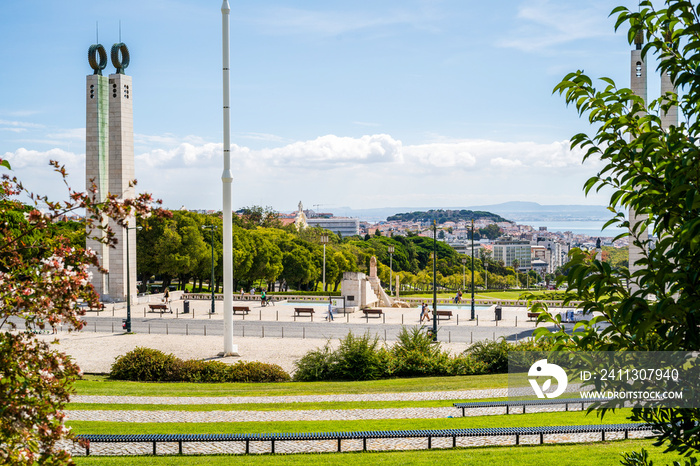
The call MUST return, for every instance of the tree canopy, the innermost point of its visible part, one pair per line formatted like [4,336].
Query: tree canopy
[656,171]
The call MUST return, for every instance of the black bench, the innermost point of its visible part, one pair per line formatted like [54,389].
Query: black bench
[158,308]
[439,314]
[241,309]
[298,311]
[376,312]
[376,434]
[525,403]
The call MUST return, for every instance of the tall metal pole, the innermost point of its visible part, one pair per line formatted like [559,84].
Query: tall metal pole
[211,228]
[226,180]
[391,269]
[128,280]
[128,285]
[324,266]
[434,280]
[472,315]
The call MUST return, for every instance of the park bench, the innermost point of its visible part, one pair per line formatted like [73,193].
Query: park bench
[430,434]
[375,312]
[159,308]
[525,403]
[532,315]
[439,314]
[243,310]
[298,311]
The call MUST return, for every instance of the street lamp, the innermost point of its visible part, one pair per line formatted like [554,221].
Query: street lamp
[472,315]
[128,280]
[391,268]
[434,280]
[324,241]
[211,283]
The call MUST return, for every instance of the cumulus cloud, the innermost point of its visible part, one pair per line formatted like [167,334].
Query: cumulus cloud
[372,169]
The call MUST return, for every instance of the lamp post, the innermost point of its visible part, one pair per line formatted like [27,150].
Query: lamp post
[211,283]
[434,280]
[128,279]
[391,268]
[472,315]
[324,241]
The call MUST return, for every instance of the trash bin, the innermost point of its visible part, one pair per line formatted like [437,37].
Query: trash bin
[499,312]
[186,310]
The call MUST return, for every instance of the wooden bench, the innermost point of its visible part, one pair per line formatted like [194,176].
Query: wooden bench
[242,309]
[439,314]
[159,308]
[376,312]
[532,315]
[298,311]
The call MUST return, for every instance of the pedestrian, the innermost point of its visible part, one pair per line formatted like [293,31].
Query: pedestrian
[330,310]
[424,313]
[166,296]
[262,298]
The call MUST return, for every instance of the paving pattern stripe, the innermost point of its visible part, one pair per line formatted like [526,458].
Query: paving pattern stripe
[286,415]
[203,400]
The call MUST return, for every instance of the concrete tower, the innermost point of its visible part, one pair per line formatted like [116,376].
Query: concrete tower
[638,85]
[121,171]
[97,153]
[110,162]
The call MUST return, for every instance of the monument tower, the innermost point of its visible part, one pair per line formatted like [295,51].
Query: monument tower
[638,85]
[109,163]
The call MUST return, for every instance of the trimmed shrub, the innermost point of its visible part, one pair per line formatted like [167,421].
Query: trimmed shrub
[145,365]
[149,365]
[255,371]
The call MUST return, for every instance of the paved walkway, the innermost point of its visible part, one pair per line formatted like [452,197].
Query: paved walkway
[203,400]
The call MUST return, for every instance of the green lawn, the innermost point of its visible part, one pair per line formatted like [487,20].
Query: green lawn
[600,454]
[101,385]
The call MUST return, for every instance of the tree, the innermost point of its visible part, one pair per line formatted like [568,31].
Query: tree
[42,278]
[655,171]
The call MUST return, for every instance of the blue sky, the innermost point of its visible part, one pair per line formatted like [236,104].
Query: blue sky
[360,104]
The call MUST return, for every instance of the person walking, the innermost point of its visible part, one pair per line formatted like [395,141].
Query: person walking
[424,313]
[263,297]
[329,318]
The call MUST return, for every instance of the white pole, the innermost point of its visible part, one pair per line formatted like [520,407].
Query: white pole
[226,180]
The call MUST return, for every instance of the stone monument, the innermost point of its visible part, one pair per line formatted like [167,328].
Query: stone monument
[109,163]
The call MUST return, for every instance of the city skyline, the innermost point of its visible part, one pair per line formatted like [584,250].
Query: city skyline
[399,104]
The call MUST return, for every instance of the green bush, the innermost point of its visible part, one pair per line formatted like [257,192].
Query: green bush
[255,371]
[359,358]
[145,365]
[492,354]
[149,365]
[315,365]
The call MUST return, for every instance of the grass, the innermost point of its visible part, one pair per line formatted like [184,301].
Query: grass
[101,385]
[600,454]
[525,420]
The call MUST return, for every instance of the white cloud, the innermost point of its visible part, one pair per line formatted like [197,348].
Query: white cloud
[371,170]
[543,24]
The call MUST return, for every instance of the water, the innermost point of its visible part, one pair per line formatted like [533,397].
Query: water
[593,228]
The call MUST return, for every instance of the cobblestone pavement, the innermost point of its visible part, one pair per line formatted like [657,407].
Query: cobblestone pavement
[330,446]
[203,400]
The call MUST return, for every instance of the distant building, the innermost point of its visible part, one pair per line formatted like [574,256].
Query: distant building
[341,226]
[508,250]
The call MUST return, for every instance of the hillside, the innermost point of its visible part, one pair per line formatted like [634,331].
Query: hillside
[442,216]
